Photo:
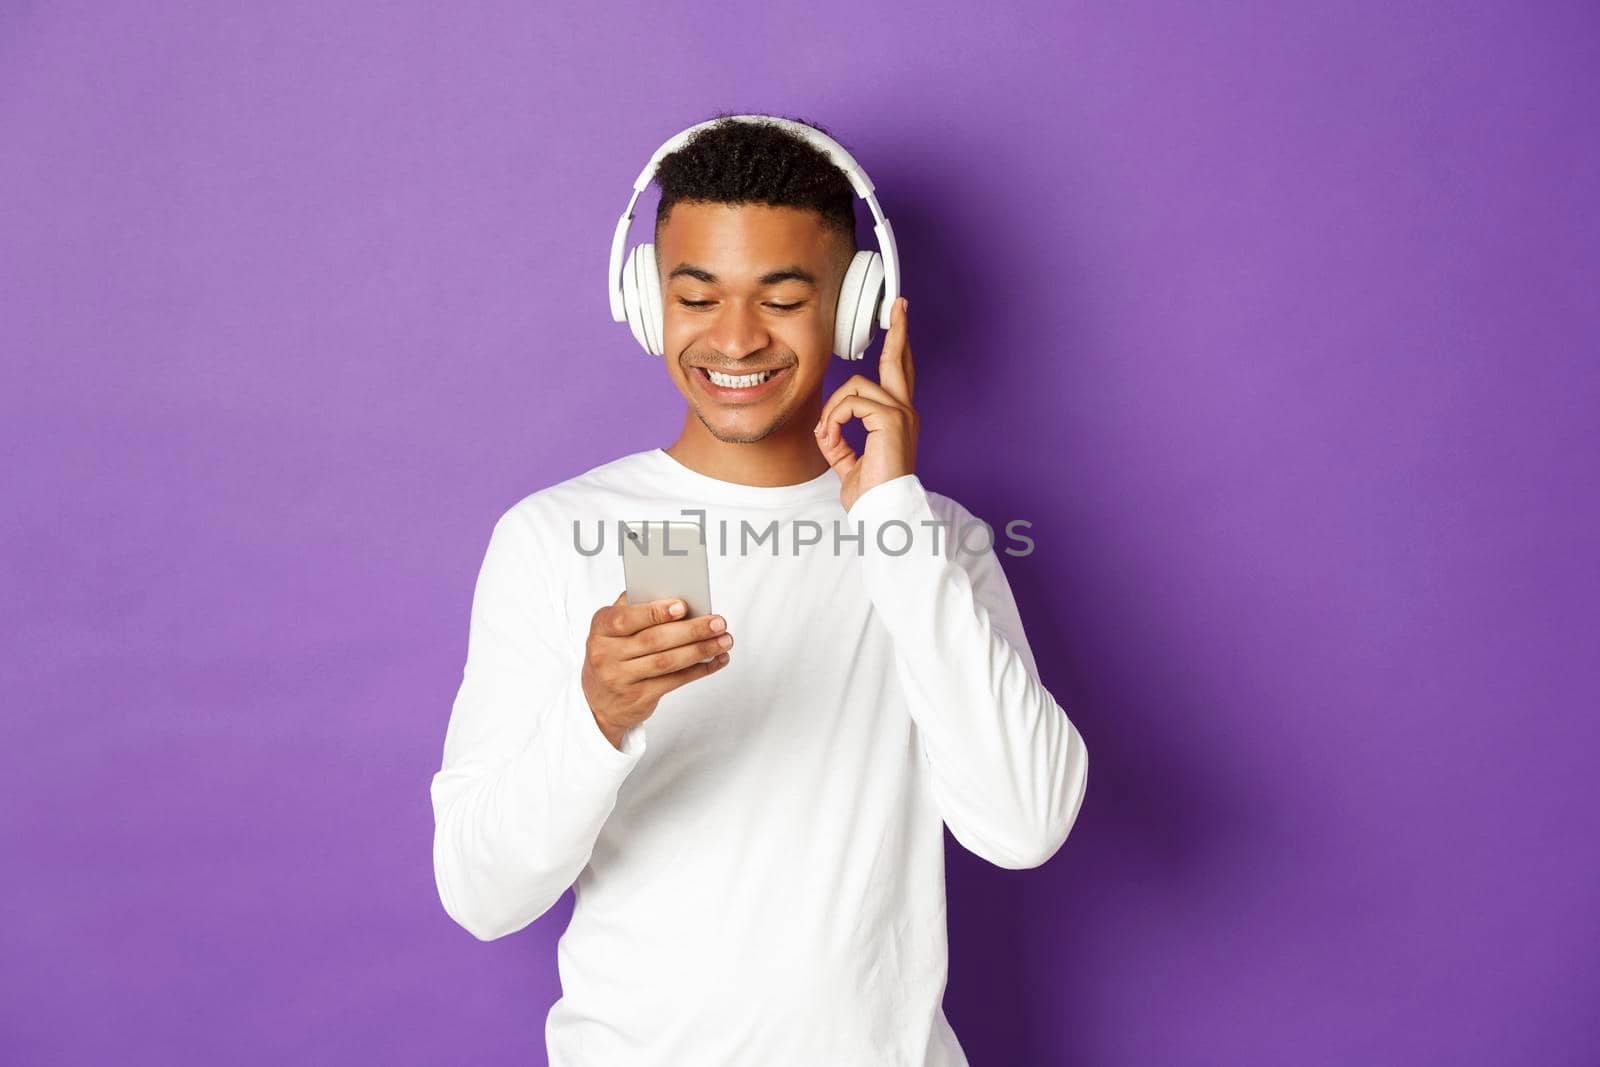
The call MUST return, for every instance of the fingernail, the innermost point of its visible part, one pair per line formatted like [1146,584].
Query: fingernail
[677,607]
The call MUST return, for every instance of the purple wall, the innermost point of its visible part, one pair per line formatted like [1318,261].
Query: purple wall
[1279,324]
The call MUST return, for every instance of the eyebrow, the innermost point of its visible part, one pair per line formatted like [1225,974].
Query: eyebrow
[794,272]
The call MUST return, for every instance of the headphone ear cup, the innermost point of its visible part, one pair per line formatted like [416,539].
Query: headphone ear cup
[859,295]
[650,292]
[641,297]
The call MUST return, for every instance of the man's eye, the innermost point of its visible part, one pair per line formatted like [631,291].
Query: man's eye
[707,303]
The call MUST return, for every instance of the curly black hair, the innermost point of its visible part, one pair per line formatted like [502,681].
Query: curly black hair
[742,162]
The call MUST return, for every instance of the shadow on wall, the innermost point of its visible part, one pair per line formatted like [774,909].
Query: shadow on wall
[1028,949]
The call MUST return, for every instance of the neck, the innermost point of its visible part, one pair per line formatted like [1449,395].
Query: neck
[787,456]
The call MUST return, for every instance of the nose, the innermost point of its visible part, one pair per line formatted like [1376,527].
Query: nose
[736,330]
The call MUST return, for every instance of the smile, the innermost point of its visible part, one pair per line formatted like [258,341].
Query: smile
[737,381]
[740,388]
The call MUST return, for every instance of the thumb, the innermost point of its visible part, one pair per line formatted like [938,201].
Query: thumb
[667,610]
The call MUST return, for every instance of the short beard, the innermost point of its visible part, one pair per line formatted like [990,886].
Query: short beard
[743,438]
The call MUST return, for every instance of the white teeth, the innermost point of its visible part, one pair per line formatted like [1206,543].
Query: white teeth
[739,381]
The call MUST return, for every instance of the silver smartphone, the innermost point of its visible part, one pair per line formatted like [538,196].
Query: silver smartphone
[662,559]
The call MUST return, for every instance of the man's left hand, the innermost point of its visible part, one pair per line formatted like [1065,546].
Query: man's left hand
[884,408]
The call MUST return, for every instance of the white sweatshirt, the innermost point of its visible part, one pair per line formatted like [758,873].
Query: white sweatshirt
[760,868]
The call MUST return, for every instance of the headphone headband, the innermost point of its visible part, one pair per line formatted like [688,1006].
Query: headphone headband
[816,138]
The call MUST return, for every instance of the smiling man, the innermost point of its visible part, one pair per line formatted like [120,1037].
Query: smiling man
[754,830]
[741,392]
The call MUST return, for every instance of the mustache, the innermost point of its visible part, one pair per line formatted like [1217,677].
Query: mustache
[748,365]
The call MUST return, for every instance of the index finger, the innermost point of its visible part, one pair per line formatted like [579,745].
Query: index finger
[624,619]
[894,365]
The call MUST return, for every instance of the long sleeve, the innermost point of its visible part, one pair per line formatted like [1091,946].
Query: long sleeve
[1009,768]
[528,779]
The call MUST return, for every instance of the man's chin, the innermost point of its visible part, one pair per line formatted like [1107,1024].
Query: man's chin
[738,432]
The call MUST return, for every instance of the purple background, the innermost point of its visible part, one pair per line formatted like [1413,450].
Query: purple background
[1280,325]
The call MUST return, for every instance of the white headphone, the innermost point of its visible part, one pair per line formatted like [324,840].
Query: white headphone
[870,287]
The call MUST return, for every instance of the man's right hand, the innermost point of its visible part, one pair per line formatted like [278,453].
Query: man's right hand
[637,652]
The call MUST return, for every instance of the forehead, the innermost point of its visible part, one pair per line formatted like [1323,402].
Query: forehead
[738,242]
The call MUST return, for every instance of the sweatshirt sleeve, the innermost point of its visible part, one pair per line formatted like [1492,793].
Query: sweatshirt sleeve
[528,778]
[1009,768]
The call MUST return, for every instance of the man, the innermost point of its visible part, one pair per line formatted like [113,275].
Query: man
[754,826]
